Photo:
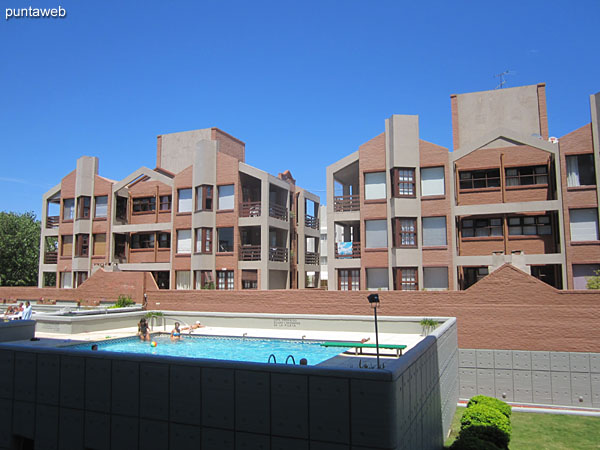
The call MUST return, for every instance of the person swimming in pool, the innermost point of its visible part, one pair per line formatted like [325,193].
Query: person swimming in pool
[143,330]
[176,333]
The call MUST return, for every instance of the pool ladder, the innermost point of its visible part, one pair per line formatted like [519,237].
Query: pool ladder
[272,356]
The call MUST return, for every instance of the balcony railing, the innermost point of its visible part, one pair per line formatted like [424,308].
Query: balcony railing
[345,203]
[250,209]
[311,222]
[278,254]
[347,250]
[311,258]
[278,211]
[249,253]
[50,257]
[52,221]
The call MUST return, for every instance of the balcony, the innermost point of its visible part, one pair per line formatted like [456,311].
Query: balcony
[278,211]
[52,222]
[250,209]
[50,257]
[311,258]
[347,250]
[249,253]
[311,222]
[346,203]
[278,254]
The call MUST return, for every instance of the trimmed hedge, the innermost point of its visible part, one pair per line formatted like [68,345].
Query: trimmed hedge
[486,423]
[492,402]
[470,442]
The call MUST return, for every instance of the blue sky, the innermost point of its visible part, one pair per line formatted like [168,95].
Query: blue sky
[303,84]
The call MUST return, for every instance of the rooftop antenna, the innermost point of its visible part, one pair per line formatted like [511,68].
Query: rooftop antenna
[502,77]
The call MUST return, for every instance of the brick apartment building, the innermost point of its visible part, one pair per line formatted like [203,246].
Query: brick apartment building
[201,218]
[407,214]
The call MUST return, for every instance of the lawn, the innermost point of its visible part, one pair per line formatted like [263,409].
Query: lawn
[546,431]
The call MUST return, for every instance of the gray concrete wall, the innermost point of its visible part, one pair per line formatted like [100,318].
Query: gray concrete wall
[546,378]
[17,330]
[178,149]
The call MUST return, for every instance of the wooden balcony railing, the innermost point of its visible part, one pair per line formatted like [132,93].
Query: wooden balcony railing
[52,221]
[278,211]
[50,257]
[250,209]
[249,253]
[311,258]
[354,253]
[345,203]
[311,222]
[278,254]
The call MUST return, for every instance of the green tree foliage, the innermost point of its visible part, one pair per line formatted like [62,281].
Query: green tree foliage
[594,282]
[19,249]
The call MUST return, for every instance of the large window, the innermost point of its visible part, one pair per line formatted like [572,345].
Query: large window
[142,240]
[80,277]
[481,227]
[204,240]
[403,182]
[580,170]
[101,206]
[249,279]
[66,246]
[204,198]
[377,279]
[165,203]
[68,208]
[82,245]
[406,279]
[226,197]
[581,274]
[184,241]
[584,224]
[434,231]
[524,176]
[83,207]
[435,278]
[479,179]
[405,232]
[164,240]
[527,226]
[376,233]
[66,280]
[204,279]
[225,279]
[375,187]
[99,245]
[432,181]
[225,236]
[184,199]
[143,205]
[349,279]
[183,280]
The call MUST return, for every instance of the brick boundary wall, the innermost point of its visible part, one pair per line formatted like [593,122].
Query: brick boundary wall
[507,310]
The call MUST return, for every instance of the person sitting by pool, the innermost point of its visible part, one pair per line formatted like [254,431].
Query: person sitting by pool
[176,333]
[194,326]
[143,330]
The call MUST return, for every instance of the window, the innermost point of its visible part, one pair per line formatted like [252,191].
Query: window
[225,279]
[184,241]
[142,240]
[225,236]
[479,179]
[580,170]
[432,181]
[435,278]
[204,279]
[143,205]
[183,280]
[375,186]
[376,233]
[164,240]
[68,208]
[184,197]
[349,279]
[249,279]
[524,176]
[82,245]
[528,226]
[80,277]
[584,224]
[99,245]
[434,231]
[66,246]
[481,227]
[406,279]
[403,182]
[226,197]
[581,273]
[101,205]
[405,232]
[472,275]
[66,280]
[165,203]
[83,207]
[377,279]
[204,198]
[204,240]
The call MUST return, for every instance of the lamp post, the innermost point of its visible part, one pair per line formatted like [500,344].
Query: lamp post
[374,302]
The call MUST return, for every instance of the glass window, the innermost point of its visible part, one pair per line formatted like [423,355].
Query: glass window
[66,280]
[204,198]
[101,205]
[377,279]
[82,244]
[66,245]
[349,279]
[376,233]
[204,279]
[481,227]
[226,197]
[184,241]
[581,274]
[165,203]
[183,279]
[142,240]
[403,182]
[479,179]
[435,278]
[204,240]
[405,232]
[83,207]
[164,240]
[144,205]
[225,279]
[375,187]
[580,170]
[530,225]
[432,181]
[225,236]
[68,208]
[184,197]
[524,176]
[584,224]
[99,244]
[406,279]
[434,231]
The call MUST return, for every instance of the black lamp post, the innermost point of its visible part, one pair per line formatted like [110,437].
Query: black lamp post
[374,301]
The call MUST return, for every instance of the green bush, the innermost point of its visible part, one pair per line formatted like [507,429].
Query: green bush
[151,314]
[492,402]
[471,442]
[124,301]
[486,423]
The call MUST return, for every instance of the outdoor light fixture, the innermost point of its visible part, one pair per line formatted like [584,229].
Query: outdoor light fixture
[374,302]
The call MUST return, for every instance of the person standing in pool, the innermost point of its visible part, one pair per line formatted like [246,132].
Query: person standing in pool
[143,330]
[176,333]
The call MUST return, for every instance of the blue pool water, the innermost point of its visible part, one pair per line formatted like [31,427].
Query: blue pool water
[227,348]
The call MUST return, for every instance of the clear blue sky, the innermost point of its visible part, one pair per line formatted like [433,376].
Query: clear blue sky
[303,83]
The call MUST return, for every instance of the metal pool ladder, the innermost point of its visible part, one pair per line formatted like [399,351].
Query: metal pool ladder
[274,359]
[288,358]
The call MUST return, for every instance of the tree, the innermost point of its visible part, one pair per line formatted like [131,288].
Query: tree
[19,249]
[593,282]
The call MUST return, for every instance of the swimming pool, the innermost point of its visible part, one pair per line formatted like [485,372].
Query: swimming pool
[225,348]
